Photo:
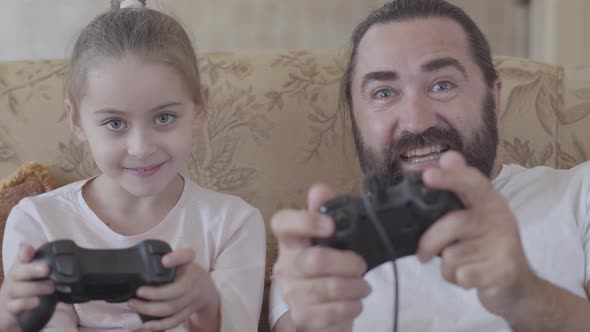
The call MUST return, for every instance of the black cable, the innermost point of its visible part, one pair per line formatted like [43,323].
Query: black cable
[390,251]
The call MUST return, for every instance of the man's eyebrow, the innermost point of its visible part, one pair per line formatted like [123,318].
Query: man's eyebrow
[440,63]
[382,76]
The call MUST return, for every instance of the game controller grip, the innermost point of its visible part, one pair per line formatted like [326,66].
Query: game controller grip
[147,318]
[34,320]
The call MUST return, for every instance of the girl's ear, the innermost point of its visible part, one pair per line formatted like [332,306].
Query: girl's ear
[74,120]
[201,109]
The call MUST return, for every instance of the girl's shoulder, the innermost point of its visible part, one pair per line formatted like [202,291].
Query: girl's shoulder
[61,195]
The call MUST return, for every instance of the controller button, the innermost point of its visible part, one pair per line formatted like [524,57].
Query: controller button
[429,196]
[159,269]
[64,265]
[415,178]
[63,289]
[343,224]
[154,248]
[61,248]
[341,221]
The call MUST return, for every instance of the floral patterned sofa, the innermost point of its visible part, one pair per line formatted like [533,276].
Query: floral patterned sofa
[273,127]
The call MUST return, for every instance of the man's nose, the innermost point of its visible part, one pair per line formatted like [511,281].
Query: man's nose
[418,115]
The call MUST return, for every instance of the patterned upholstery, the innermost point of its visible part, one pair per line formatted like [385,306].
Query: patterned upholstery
[273,127]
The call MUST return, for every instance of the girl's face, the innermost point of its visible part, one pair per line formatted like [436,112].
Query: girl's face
[138,117]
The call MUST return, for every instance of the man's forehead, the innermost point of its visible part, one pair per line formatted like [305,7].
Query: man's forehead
[412,42]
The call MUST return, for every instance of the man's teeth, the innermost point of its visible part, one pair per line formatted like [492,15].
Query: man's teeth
[423,151]
[415,160]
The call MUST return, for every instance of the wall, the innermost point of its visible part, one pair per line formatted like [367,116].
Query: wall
[40,29]
[560,31]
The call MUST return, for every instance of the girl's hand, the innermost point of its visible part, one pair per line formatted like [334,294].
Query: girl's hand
[192,295]
[20,292]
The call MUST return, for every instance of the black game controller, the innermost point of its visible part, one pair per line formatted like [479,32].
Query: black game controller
[81,275]
[403,212]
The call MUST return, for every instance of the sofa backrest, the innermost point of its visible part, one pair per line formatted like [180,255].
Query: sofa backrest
[274,128]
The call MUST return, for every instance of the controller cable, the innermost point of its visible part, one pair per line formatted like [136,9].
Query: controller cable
[390,251]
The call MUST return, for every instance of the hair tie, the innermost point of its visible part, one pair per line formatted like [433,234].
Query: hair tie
[131,4]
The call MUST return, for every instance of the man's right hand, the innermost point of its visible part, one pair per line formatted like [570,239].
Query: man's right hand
[323,287]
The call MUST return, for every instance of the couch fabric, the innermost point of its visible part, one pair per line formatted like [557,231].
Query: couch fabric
[30,179]
[273,126]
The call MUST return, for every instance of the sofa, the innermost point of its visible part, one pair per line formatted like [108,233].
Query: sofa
[273,126]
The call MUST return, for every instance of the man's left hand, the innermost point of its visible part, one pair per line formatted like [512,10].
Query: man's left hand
[480,246]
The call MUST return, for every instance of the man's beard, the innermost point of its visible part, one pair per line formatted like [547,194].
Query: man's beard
[479,152]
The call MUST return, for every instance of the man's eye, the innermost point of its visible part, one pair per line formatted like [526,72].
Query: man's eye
[443,86]
[115,124]
[383,94]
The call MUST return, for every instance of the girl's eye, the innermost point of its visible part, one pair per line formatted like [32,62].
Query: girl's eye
[383,94]
[165,119]
[443,86]
[115,124]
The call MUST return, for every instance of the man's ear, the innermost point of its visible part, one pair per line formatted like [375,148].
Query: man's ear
[497,92]
[74,120]
[201,109]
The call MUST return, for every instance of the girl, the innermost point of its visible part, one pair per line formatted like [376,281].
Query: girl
[133,93]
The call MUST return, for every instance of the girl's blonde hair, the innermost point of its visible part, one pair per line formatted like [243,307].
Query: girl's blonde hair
[143,32]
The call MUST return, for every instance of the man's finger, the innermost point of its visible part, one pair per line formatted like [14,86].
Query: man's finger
[461,254]
[467,182]
[452,227]
[318,261]
[324,290]
[321,261]
[295,228]
[452,160]
[321,316]
[318,194]
[477,275]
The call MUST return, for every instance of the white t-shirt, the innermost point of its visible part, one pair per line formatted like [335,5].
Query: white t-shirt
[226,233]
[551,207]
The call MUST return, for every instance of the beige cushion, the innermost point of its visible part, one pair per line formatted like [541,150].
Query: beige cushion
[30,179]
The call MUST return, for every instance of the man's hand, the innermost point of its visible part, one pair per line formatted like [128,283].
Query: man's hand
[323,287]
[480,246]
